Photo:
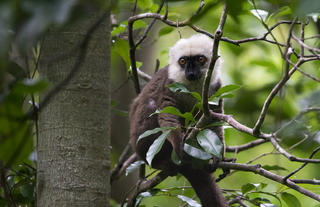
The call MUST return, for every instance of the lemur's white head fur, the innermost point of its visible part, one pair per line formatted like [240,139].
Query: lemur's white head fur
[198,44]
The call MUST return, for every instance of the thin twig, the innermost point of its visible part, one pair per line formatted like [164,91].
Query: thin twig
[4,185]
[302,166]
[301,113]
[305,181]
[144,185]
[214,58]
[259,170]
[308,75]
[123,157]
[290,156]
[316,50]
[149,26]
[267,28]
[246,146]
[272,94]
[302,40]
[245,40]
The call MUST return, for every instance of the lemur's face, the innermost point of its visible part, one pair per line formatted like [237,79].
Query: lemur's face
[189,59]
[193,66]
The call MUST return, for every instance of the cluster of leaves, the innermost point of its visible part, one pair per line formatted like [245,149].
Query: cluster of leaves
[15,133]
[255,194]
[21,184]
[207,143]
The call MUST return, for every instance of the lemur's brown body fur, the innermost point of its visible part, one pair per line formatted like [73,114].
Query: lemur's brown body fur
[156,95]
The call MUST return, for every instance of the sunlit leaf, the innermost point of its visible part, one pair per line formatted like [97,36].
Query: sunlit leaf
[188,200]
[134,166]
[268,205]
[260,14]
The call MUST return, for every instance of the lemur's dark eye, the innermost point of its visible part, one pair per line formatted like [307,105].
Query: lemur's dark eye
[202,59]
[182,61]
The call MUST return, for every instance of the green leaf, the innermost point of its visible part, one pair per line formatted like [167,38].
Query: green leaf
[210,142]
[156,146]
[196,95]
[252,186]
[197,153]
[215,124]
[188,200]
[139,24]
[229,95]
[121,47]
[165,30]
[274,167]
[290,199]
[174,157]
[119,29]
[224,89]
[268,205]
[307,7]
[153,131]
[31,85]
[247,188]
[173,110]
[134,166]
[260,14]
[177,87]
[27,190]
[145,4]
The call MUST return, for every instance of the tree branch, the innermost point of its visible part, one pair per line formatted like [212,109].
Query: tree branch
[214,58]
[257,169]
[246,146]
[290,156]
[302,166]
[144,185]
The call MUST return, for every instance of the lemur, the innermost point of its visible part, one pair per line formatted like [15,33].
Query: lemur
[189,61]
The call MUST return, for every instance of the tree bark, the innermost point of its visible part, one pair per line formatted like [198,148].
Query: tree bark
[74,126]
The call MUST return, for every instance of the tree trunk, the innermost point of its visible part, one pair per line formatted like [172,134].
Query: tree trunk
[74,133]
